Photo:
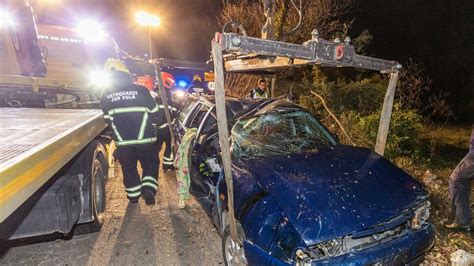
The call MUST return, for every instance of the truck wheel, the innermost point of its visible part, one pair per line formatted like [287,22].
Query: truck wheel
[233,252]
[95,170]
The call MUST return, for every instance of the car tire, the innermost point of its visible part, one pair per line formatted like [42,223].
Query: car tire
[95,173]
[232,252]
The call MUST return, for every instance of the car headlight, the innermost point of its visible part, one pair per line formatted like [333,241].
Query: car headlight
[422,214]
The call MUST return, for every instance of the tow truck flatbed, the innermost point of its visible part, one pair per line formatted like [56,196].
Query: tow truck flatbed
[37,143]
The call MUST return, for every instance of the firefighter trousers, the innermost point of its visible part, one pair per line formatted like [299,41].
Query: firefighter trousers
[149,161]
[164,137]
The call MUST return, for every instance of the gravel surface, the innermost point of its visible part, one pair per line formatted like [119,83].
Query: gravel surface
[132,235]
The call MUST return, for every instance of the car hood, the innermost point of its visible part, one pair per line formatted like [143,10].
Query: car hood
[335,192]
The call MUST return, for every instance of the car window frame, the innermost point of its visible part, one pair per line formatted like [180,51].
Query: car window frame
[204,120]
[194,113]
[189,114]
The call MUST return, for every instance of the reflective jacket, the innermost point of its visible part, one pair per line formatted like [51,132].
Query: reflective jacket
[131,112]
[258,94]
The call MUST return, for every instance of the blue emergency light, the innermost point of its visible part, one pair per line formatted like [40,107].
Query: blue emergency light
[182,84]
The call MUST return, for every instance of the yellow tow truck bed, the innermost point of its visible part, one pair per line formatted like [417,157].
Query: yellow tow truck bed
[35,144]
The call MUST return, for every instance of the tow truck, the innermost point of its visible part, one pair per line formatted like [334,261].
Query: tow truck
[55,149]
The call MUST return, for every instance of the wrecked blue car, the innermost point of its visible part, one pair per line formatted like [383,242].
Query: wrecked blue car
[301,198]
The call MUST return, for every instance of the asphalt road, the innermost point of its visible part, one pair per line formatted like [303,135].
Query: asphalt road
[133,235]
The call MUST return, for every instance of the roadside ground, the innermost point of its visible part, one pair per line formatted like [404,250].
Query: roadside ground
[133,235]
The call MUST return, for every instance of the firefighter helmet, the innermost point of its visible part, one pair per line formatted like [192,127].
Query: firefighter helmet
[113,64]
[197,77]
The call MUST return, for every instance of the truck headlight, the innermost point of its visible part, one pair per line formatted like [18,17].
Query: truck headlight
[99,78]
[422,214]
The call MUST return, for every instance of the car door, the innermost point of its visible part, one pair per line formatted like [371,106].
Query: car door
[204,148]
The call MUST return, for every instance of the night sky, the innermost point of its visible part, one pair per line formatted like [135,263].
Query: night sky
[185,32]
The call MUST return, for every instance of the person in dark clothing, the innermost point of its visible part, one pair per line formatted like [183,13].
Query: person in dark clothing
[459,188]
[132,112]
[261,91]
[163,132]
[198,87]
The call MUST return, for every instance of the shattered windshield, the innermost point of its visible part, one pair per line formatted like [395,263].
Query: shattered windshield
[278,133]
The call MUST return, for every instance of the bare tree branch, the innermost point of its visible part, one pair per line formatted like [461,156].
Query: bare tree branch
[334,117]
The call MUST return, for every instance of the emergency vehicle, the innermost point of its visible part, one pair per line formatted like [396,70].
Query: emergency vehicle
[55,150]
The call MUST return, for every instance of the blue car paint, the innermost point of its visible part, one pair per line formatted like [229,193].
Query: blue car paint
[407,249]
[265,226]
[382,192]
[334,192]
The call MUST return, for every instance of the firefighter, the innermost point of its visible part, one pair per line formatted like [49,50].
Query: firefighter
[261,91]
[198,87]
[163,132]
[131,112]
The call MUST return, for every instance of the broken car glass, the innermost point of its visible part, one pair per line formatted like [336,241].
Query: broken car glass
[279,133]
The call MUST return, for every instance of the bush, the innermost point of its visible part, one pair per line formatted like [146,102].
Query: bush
[405,128]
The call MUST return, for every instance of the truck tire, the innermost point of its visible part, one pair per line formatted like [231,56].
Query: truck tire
[92,164]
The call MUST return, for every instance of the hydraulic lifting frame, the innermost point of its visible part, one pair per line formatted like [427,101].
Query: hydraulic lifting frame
[234,53]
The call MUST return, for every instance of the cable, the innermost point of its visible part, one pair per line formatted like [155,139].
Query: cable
[300,13]
[234,25]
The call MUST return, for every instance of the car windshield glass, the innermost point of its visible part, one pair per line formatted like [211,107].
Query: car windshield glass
[278,133]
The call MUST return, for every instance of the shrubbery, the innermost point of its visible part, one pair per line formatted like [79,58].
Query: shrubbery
[405,128]
[358,104]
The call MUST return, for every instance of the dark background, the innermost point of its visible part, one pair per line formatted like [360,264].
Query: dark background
[439,34]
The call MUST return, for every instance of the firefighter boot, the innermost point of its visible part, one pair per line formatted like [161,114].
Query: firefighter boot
[149,196]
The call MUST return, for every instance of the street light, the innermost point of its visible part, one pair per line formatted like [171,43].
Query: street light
[145,19]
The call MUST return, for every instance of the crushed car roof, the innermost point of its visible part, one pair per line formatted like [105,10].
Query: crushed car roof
[249,107]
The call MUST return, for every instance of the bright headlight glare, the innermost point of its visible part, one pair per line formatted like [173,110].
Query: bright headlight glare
[99,78]
[6,18]
[91,31]
[179,93]
[422,214]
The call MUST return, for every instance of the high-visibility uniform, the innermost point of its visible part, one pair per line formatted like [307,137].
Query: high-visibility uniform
[164,136]
[132,112]
[258,94]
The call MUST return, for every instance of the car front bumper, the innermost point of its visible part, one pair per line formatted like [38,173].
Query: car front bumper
[408,249]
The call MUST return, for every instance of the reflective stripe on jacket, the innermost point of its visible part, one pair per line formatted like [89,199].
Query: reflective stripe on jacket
[258,94]
[131,111]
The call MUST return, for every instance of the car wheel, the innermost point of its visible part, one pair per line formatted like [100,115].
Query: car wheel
[233,252]
[96,186]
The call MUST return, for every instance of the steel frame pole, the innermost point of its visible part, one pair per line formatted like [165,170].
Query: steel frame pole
[386,114]
[164,100]
[223,129]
